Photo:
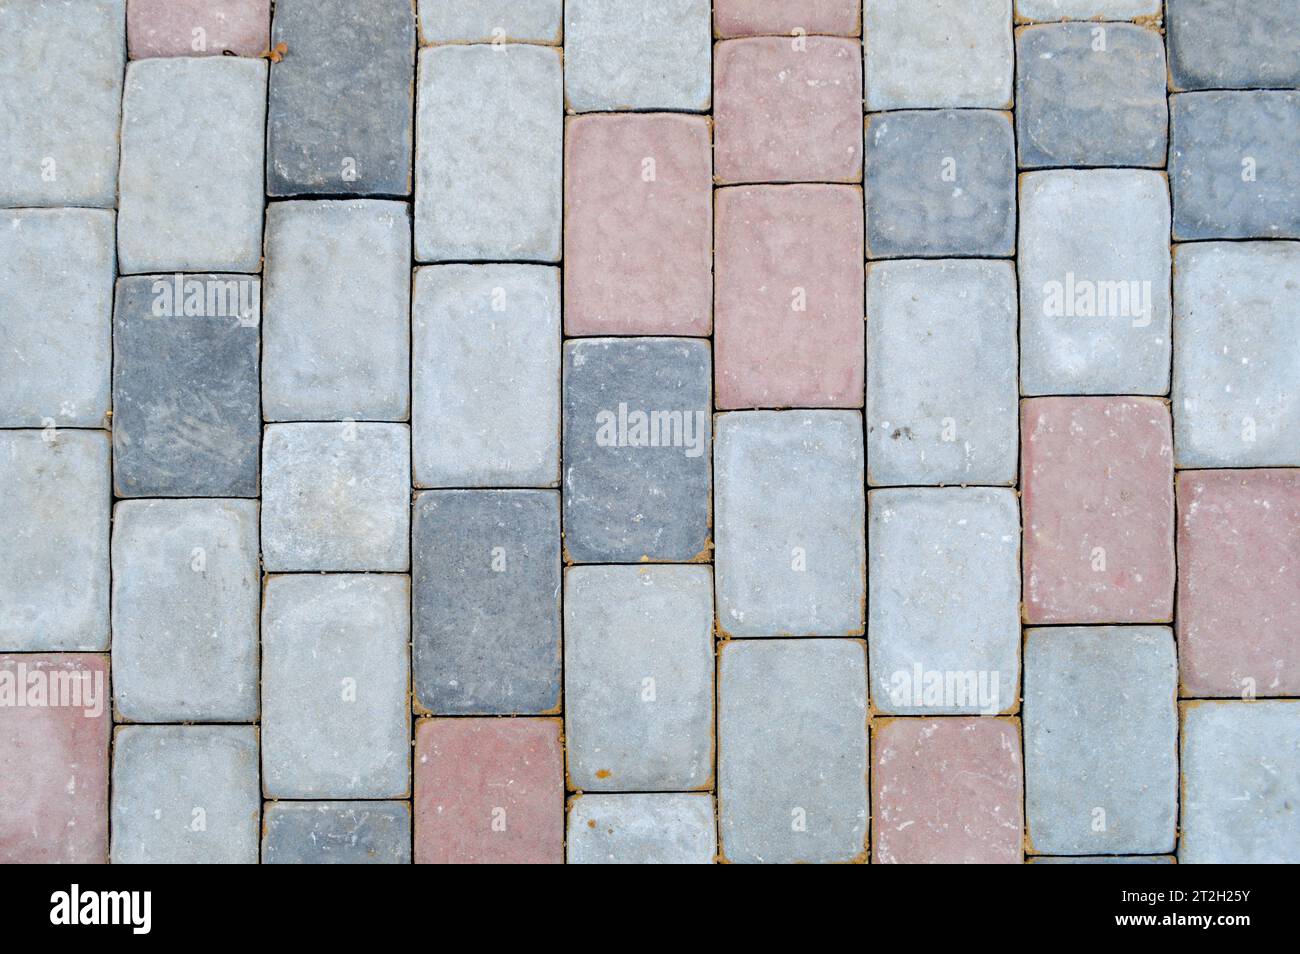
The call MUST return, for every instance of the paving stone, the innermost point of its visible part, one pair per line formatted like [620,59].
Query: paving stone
[197,207]
[636,449]
[336,497]
[638,227]
[940,182]
[487,601]
[1087,9]
[1090,94]
[1094,298]
[1096,477]
[626,54]
[495,21]
[56,295]
[55,722]
[197,27]
[941,373]
[1104,860]
[944,624]
[336,722]
[187,410]
[947,791]
[638,671]
[338,301]
[489,154]
[1232,164]
[486,337]
[645,829]
[1236,354]
[761,17]
[54,575]
[792,762]
[489,791]
[337,833]
[1218,44]
[791,554]
[1101,732]
[1241,781]
[185,794]
[61,72]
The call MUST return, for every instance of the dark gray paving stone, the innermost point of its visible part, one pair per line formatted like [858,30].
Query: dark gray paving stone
[336,833]
[659,828]
[1233,44]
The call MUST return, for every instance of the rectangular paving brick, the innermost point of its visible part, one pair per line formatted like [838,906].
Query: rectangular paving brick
[1103,860]
[1087,9]
[782,17]
[491,21]
[642,829]
[197,27]
[336,833]
[1221,44]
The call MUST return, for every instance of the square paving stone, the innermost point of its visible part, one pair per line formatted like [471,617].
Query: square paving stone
[489,154]
[1096,477]
[56,296]
[1225,44]
[336,497]
[788,296]
[55,722]
[637,433]
[187,413]
[336,721]
[1101,737]
[638,227]
[197,27]
[338,303]
[489,791]
[487,601]
[792,758]
[486,339]
[1094,297]
[186,592]
[643,829]
[940,182]
[1087,9]
[638,675]
[780,17]
[492,21]
[337,833]
[198,206]
[941,373]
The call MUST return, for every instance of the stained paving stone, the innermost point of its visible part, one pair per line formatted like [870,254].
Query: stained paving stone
[187,414]
[941,373]
[489,791]
[792,762]
[489,154]
[1097,495]
[637,435]
[791,552]
[940,182]
[1236,354]
[197,27]
[196,207]
[55,722]
[1101,735]
[338,299]
[336,833]
[336,721]
[486,337]
[669,828]
[1087,9]
[638,671]
[943,622]
[1218,44]
[638,227]
[1104,860]
[486,576]
[497,21]
[336,497]
[733,18]
[1094,298]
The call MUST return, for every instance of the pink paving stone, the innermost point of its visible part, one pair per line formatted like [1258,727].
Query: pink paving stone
[1098,510]
[54,758]
[758,17]
[947,791]
[166,27]
[788,110]
[1239,582]
[638,225]
[489,791]
[781,249]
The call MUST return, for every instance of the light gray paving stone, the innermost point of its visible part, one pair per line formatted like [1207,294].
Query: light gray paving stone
[491,21]
[1086,9]
[1105,860]
[1223,44]
[644,829]
[337,833]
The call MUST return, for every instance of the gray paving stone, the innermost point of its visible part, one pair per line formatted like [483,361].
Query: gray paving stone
[1224,44]
[186,590]
[792,756]
[341,99]
[1105,860]
[194,204]
[336,721]
[486,566]
[336,497]
[638,677]
[338,299]
[791,556]
[489,154]
[186,407]
[1086,9]
[637,435]
[337,833]
[940,182]
[486,337]
[1101,733]
[491,21]
[647,829]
